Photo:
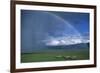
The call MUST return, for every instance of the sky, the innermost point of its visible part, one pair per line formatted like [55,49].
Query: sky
[79,20]
[43,28]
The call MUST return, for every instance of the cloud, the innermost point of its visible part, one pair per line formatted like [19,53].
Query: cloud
[64,40]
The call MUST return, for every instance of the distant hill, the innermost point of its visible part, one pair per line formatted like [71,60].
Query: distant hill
[62,48]
[73,46]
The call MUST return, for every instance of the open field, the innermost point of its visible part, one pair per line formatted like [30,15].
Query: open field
[55,56]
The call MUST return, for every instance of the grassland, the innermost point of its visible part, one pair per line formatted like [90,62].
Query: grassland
[54,56]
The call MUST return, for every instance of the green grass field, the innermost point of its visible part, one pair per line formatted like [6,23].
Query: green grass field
[54,56]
